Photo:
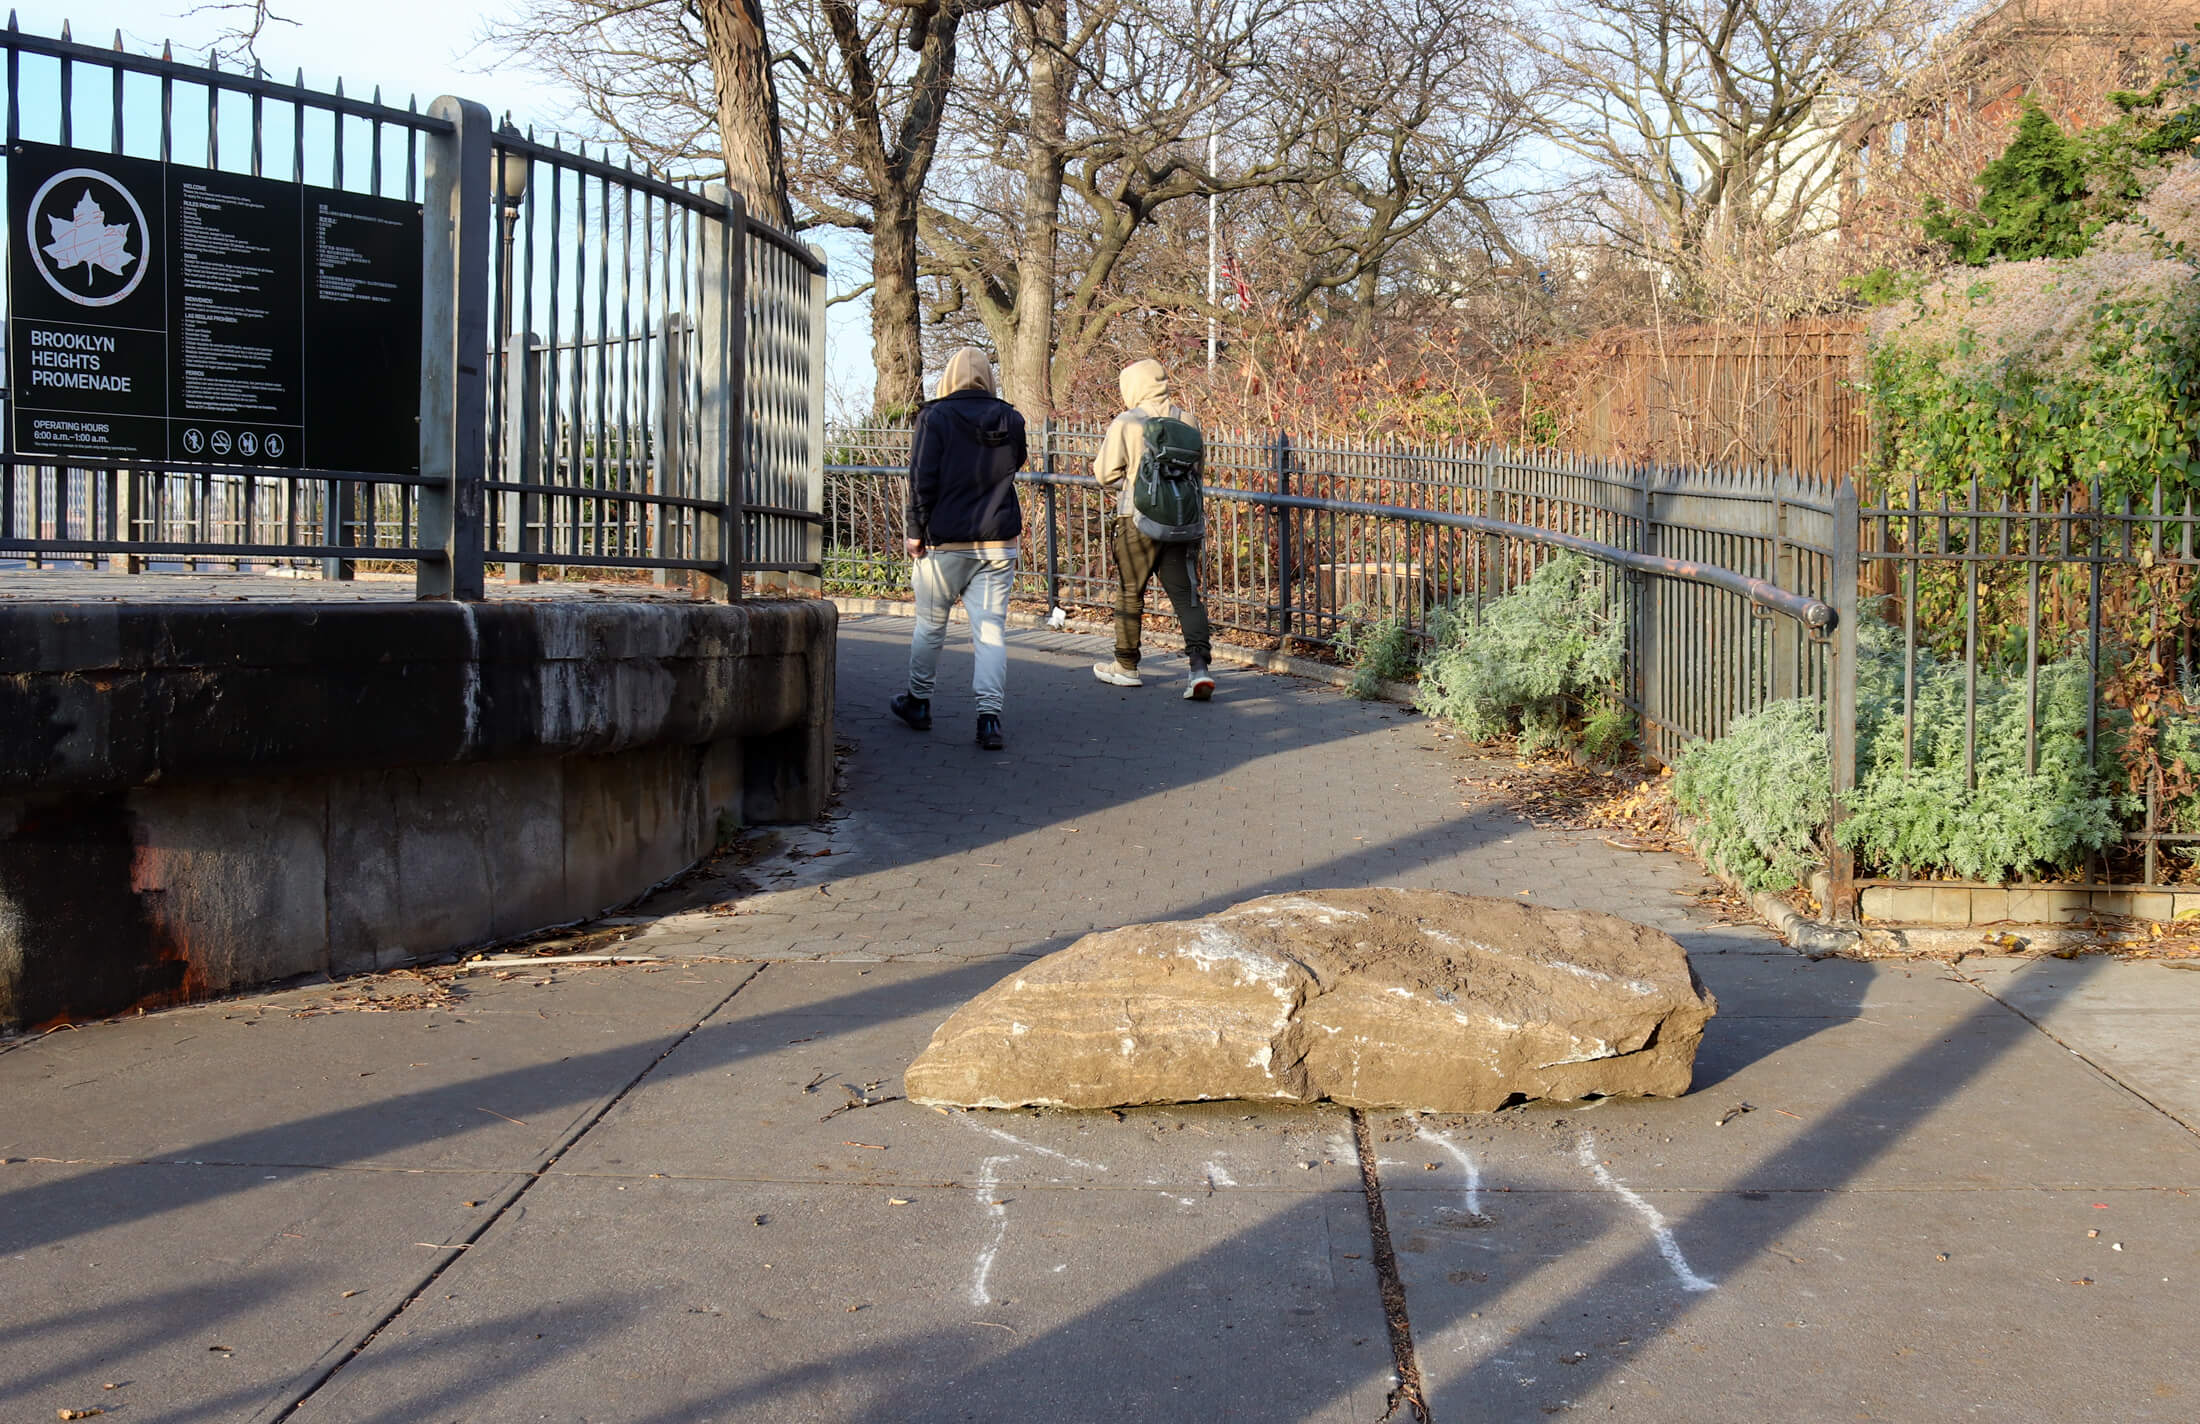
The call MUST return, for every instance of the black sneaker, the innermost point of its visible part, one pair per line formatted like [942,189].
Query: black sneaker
[916,711]
[989,732]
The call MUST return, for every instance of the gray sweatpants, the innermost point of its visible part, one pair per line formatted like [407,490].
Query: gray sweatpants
[982,585]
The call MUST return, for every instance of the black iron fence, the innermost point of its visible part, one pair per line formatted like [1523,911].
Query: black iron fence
[1726,580]
[2045,643]
[618,370]
[1978,648]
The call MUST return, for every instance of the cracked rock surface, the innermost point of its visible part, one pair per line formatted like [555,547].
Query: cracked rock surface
[1404,999]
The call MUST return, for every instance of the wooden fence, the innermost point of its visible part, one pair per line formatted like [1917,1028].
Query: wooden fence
[1783,396]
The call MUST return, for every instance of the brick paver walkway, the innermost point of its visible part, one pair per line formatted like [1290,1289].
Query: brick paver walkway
[687,1191]
[1113,806]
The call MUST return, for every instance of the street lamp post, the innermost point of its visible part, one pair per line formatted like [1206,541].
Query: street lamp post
[512,174]
[513,165]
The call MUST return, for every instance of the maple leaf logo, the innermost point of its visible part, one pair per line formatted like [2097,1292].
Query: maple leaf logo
[88,238]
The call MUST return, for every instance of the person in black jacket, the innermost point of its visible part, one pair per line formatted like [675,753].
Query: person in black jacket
[964,524]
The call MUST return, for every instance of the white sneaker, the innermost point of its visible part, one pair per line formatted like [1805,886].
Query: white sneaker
[1200,687]
[1115,676]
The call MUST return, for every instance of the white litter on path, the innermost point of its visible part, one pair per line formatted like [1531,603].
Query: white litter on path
[1667,1246]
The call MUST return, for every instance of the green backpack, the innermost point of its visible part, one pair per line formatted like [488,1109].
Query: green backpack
[1165,494]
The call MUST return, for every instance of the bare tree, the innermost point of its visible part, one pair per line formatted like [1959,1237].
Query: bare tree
[876,96]
[243,23]
[1082,126]
[1409,118]
[1715,124]
[748,105]
[866,92]
[686,84]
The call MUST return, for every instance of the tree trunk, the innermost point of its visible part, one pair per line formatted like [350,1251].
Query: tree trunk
[748,106]
[1043,27]
[896,330]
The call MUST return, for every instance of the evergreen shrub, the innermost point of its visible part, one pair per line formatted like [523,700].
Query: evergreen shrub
[1758,796]
[1382,650]
[1532,658]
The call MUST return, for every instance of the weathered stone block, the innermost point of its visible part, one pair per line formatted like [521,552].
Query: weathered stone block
[2152,904]
[1897,904]
[1371,998]
[2040,906]
[1952,906]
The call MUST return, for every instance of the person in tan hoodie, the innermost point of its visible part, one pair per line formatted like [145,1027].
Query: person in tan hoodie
[1138,558]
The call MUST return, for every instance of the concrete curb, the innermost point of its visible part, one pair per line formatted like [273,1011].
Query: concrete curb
[1258,659]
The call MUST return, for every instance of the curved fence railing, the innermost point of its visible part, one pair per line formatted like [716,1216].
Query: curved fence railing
[1727,585]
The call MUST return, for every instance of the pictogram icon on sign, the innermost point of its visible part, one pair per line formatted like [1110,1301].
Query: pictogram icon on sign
[221,442]
[193,441]
[248,444]
[87,237]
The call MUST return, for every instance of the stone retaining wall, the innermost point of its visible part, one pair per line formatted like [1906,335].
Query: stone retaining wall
[197,798]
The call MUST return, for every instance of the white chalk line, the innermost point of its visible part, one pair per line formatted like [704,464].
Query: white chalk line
[1016,1141]
[1466,1163]
[1667,1246]
[989,1184]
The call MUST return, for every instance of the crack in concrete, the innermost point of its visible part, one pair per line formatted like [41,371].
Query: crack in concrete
[509,1197]
[1390,1284]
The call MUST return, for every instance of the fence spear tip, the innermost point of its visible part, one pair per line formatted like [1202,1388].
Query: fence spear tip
[64,31]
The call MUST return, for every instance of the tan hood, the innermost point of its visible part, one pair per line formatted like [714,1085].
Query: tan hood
[1144,382]
[969,369]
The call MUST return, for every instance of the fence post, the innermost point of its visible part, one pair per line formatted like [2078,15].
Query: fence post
[1841,703]
[668,465]
[523,451]
[722,349]
[339,526]
[1053,500]
[1283,541]
[1787,634]
[454,352]
[814,537]
[1645,632]
[132,493]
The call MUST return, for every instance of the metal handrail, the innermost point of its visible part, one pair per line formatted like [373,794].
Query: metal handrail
[1814,614]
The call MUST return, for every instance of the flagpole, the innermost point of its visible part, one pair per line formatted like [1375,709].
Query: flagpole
[1213,291]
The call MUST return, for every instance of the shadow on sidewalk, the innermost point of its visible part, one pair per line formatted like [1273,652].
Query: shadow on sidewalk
[1197,1341]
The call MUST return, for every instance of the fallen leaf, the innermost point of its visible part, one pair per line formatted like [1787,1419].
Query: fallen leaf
[349,1294]
[79,1413]
[897,1201]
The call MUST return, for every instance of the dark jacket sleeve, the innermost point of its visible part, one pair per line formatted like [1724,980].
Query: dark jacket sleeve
[924,474]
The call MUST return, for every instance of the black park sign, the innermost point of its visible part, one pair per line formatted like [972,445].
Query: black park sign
[172,314]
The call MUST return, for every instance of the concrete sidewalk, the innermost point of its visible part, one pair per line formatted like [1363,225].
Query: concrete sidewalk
[640,1193]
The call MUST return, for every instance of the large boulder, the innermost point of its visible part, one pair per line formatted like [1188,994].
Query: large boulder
[1370,998]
